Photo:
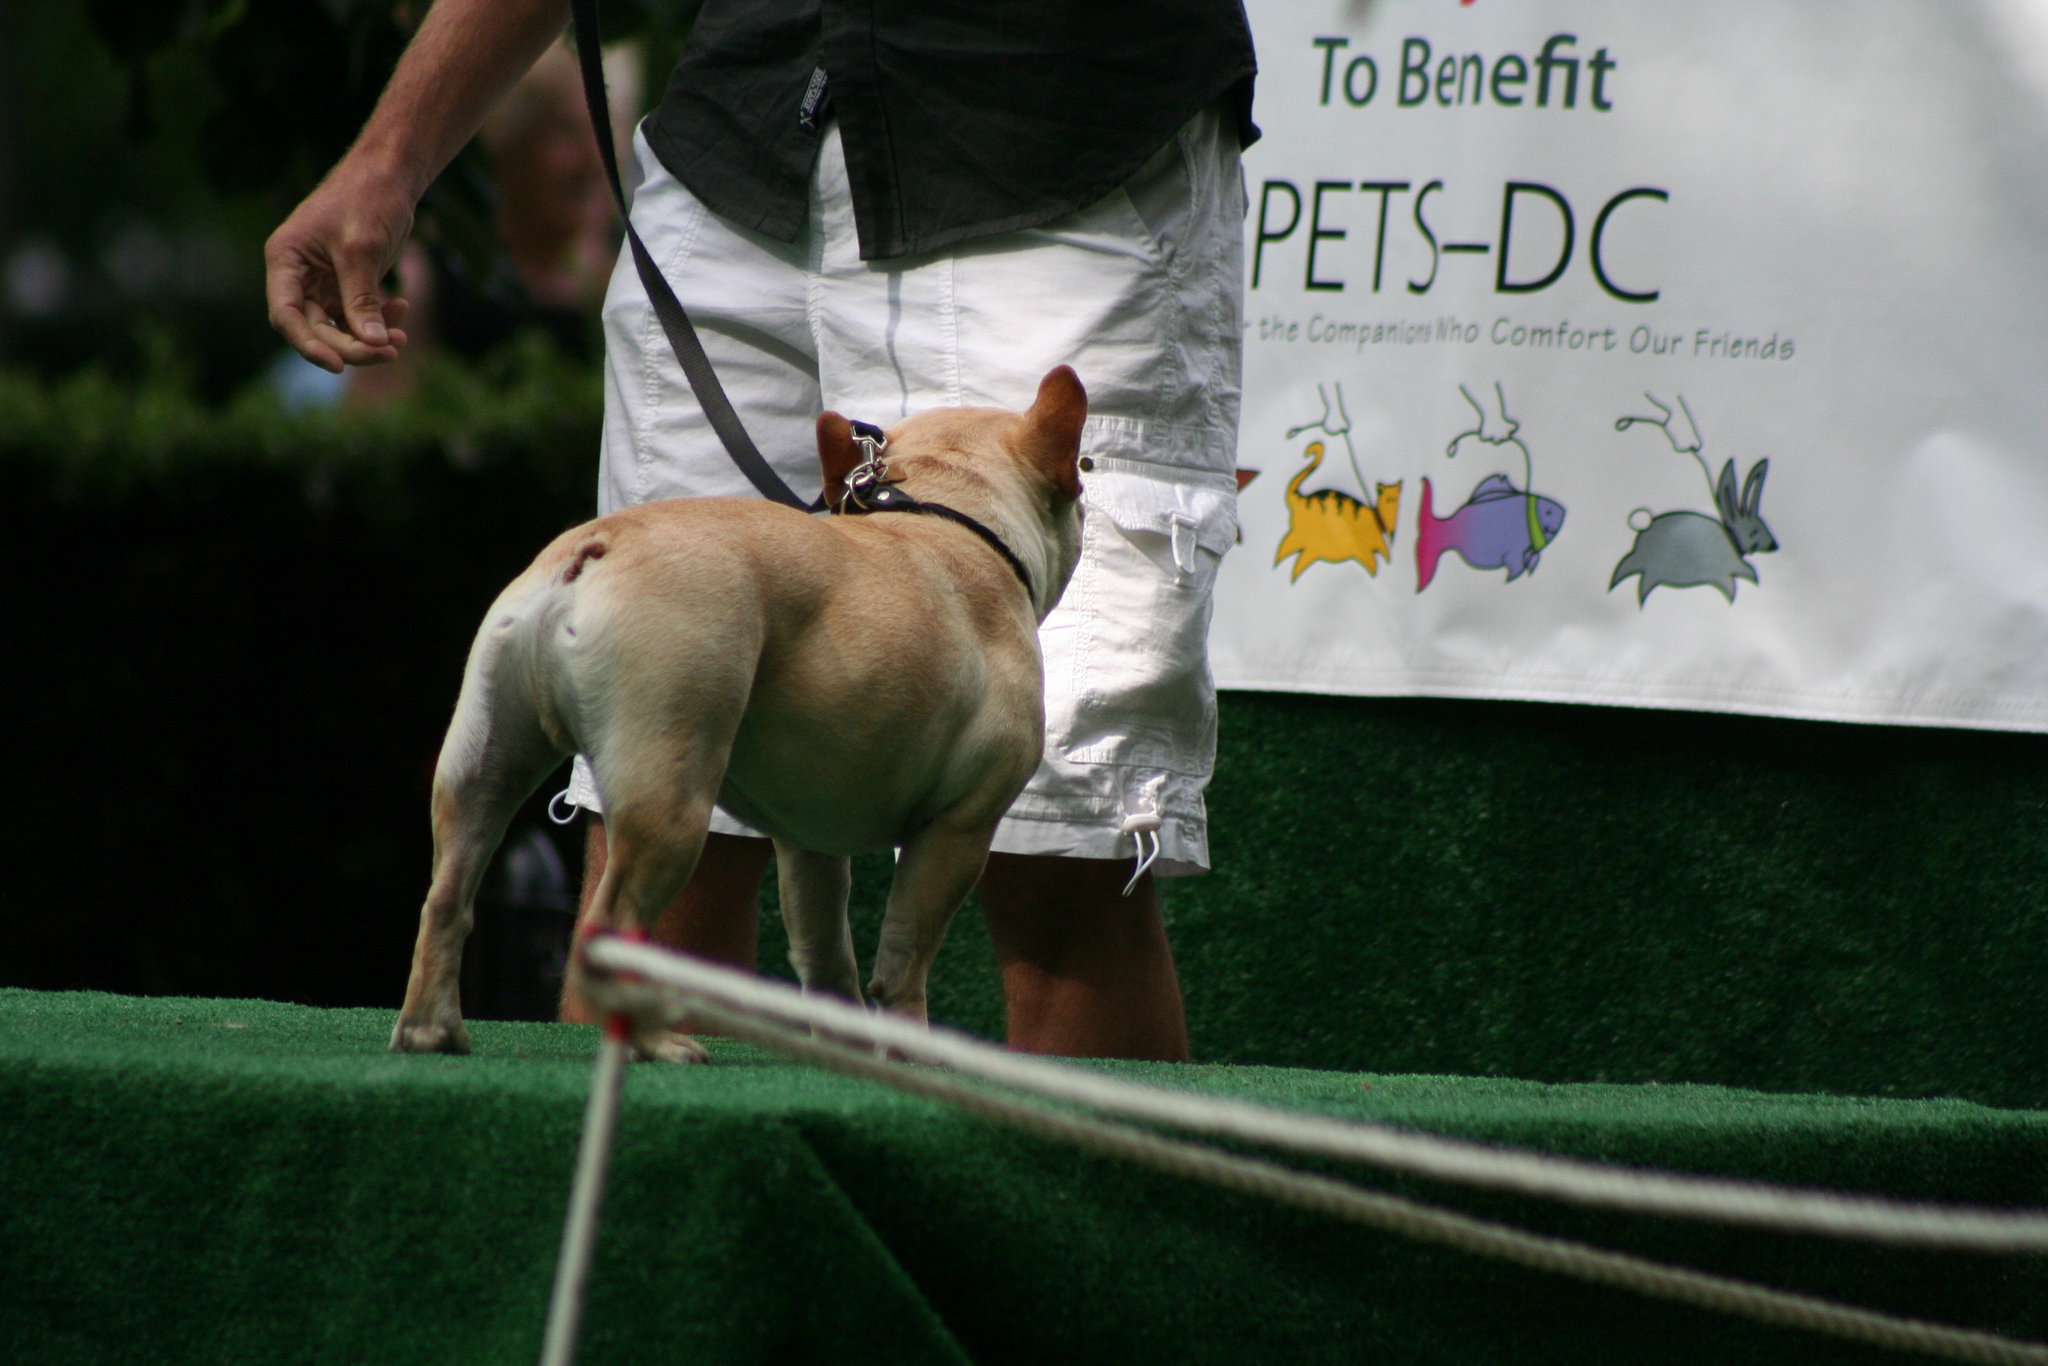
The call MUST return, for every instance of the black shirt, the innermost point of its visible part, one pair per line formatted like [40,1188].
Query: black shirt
[960,118]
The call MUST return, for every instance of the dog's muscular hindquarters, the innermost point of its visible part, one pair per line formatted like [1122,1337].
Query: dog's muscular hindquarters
[842,683]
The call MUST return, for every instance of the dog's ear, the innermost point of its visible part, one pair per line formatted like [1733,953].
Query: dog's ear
[1055,418]
[837,455]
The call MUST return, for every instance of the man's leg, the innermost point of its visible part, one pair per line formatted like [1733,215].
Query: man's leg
[715,917]
[1087,971]
[1141,293]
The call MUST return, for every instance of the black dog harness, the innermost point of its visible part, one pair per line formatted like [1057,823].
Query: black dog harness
[869,489]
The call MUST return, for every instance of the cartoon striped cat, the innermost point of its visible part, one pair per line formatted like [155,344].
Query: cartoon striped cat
[1331,525]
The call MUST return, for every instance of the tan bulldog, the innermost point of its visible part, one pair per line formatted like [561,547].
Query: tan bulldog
[843,683]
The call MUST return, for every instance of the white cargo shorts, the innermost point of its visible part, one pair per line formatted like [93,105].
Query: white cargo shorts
[1141,292]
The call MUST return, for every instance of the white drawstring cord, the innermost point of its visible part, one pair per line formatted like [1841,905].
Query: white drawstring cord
[1141,823]
[1139,827]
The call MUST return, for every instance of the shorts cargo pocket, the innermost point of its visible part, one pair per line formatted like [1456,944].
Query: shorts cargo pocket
[1135,631]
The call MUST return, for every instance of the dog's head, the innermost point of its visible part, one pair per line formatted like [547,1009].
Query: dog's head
[1018,473]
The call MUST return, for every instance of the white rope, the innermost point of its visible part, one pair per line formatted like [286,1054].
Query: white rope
[1755,1204]
[1393,1214]
[586,1193]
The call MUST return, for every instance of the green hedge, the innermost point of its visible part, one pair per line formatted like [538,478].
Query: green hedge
[92,439]
[237,635]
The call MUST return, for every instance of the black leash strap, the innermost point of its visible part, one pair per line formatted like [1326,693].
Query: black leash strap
[682,337]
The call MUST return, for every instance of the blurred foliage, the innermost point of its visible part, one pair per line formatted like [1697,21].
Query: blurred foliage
[250,597]
[264,57]
[95,437]
[147,147]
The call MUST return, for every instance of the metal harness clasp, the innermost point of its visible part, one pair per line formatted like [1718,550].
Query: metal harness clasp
[871,473]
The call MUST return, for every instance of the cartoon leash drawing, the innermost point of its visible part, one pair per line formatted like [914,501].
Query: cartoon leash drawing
[1330,524]
[1691,549]
[1499,526]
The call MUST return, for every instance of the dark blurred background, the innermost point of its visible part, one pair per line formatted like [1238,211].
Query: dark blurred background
[243,589]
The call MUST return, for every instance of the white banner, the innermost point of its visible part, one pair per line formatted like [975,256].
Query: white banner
[1648,352]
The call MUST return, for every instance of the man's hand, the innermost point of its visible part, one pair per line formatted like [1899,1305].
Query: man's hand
[323,266]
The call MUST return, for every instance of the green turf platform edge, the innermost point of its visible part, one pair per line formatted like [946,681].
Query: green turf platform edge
[240,1181]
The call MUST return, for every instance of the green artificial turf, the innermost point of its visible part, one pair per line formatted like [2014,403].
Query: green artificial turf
[239,1181]
[1593,893]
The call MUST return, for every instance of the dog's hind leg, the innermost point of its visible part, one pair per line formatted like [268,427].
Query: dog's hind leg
[934,874]
[814,888]
[657,815]
[495,754]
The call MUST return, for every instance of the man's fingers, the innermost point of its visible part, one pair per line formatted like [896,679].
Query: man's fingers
[332,346]
[330,343]
[356,351]
[303,320]
[305,338]
[364,305]
[288,315]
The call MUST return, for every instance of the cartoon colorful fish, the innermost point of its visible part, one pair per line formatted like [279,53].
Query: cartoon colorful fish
[1499,527]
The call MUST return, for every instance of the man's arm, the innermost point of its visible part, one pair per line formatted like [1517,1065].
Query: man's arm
[323,264]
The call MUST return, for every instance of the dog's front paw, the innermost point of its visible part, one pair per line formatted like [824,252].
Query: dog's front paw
[669,1045]
[425,1036]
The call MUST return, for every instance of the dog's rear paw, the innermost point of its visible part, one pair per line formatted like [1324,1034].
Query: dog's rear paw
[426,1037]
[670,1045]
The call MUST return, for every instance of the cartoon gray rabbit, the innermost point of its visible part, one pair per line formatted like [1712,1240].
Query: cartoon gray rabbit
[1690,549]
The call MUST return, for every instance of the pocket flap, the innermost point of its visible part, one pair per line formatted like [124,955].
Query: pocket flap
[1159,506]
